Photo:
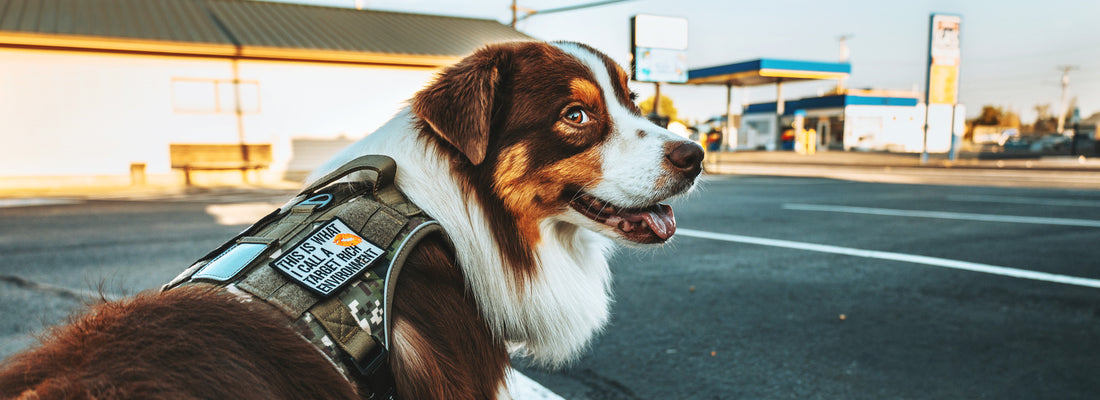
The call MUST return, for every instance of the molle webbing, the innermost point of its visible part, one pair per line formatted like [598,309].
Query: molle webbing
[329,260]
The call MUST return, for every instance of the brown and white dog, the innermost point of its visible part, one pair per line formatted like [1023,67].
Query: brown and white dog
[535,160]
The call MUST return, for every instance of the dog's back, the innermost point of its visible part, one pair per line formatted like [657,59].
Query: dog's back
[189,343]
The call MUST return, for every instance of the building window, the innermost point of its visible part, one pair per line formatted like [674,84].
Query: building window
[759,127]
[214,96]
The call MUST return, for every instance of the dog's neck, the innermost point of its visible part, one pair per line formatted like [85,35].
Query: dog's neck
[552,313]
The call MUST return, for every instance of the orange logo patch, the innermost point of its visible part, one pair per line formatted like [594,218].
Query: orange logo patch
[347,240]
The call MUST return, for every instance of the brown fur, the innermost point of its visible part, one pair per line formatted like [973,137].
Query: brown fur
[199,342]
[523,89]
[189,343]
[444,348]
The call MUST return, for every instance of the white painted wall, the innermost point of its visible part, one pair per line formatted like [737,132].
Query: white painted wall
[866,128]
[758,130]
[83,113]
[892,128]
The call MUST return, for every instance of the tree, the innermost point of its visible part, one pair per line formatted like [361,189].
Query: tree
[994,116]
[1043,111]
[997,116]
[667,109]
[1011,118]
[1045,121]
[991,115]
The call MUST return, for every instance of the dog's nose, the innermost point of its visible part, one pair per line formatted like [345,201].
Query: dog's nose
[686,157]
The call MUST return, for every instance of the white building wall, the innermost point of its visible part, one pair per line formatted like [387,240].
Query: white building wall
[83,113]
[877,128]
[866,128]
[327,101]
[757,131]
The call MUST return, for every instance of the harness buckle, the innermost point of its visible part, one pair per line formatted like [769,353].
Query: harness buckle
[375,371]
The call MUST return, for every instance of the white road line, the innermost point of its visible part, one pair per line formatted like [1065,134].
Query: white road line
[520,387]
[1039,201]
[885,255]
[946,215]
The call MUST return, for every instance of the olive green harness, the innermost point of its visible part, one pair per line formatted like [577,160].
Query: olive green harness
[329,260]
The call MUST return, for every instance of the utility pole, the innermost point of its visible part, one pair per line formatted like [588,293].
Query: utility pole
[656,100]
[844,55]
[515,8]
[1065,91]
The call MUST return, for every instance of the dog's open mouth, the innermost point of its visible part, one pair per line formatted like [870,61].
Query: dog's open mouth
[652,224]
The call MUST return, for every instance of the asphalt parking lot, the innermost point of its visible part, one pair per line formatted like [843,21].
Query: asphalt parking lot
[774,288]
[755,315]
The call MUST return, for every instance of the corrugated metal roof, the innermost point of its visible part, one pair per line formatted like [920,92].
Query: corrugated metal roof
[257,29]
[166,20]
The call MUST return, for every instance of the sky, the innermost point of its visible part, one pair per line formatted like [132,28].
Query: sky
[1012,50]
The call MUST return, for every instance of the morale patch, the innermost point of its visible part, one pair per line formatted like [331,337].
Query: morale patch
[328,258]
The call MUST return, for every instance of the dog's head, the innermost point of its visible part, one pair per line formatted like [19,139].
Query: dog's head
[550,133]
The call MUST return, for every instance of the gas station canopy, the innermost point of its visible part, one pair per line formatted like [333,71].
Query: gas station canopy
[766,71]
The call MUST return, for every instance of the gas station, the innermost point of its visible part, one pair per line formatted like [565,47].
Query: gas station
[865,120]
[760,72]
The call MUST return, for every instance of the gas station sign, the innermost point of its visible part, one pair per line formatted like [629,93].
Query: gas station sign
[944,55]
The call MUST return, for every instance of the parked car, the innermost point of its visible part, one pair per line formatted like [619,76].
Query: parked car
[1051,142]
[996,138]
[1017,143]
[1007,135]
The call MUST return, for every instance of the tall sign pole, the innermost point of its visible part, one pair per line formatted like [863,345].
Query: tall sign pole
[942,83]
[659,48]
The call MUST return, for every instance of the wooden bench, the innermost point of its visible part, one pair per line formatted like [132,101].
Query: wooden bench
[219,157]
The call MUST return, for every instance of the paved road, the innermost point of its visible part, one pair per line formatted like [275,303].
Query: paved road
[1047,172]
[776,288]
[711,319]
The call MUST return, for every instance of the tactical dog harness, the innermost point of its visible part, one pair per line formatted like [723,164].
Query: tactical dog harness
[329,260]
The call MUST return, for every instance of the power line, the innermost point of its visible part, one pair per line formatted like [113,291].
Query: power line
[529,13]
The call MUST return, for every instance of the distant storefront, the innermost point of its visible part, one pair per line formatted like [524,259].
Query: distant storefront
[866,121]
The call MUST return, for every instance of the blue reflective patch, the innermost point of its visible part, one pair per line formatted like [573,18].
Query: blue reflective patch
[226,265]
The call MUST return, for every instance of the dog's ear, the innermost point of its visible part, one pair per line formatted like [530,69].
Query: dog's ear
[459,104]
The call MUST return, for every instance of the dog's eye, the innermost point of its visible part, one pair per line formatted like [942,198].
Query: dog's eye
[576,115]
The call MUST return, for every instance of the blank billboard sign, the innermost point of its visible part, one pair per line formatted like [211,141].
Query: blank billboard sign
[659,47]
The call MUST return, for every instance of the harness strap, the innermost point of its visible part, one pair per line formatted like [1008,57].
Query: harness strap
[402,254]
[337,320]
[350,321]
[383,166]
[384,190]
[298,214]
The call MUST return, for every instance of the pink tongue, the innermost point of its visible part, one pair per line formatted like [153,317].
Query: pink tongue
[663,223]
